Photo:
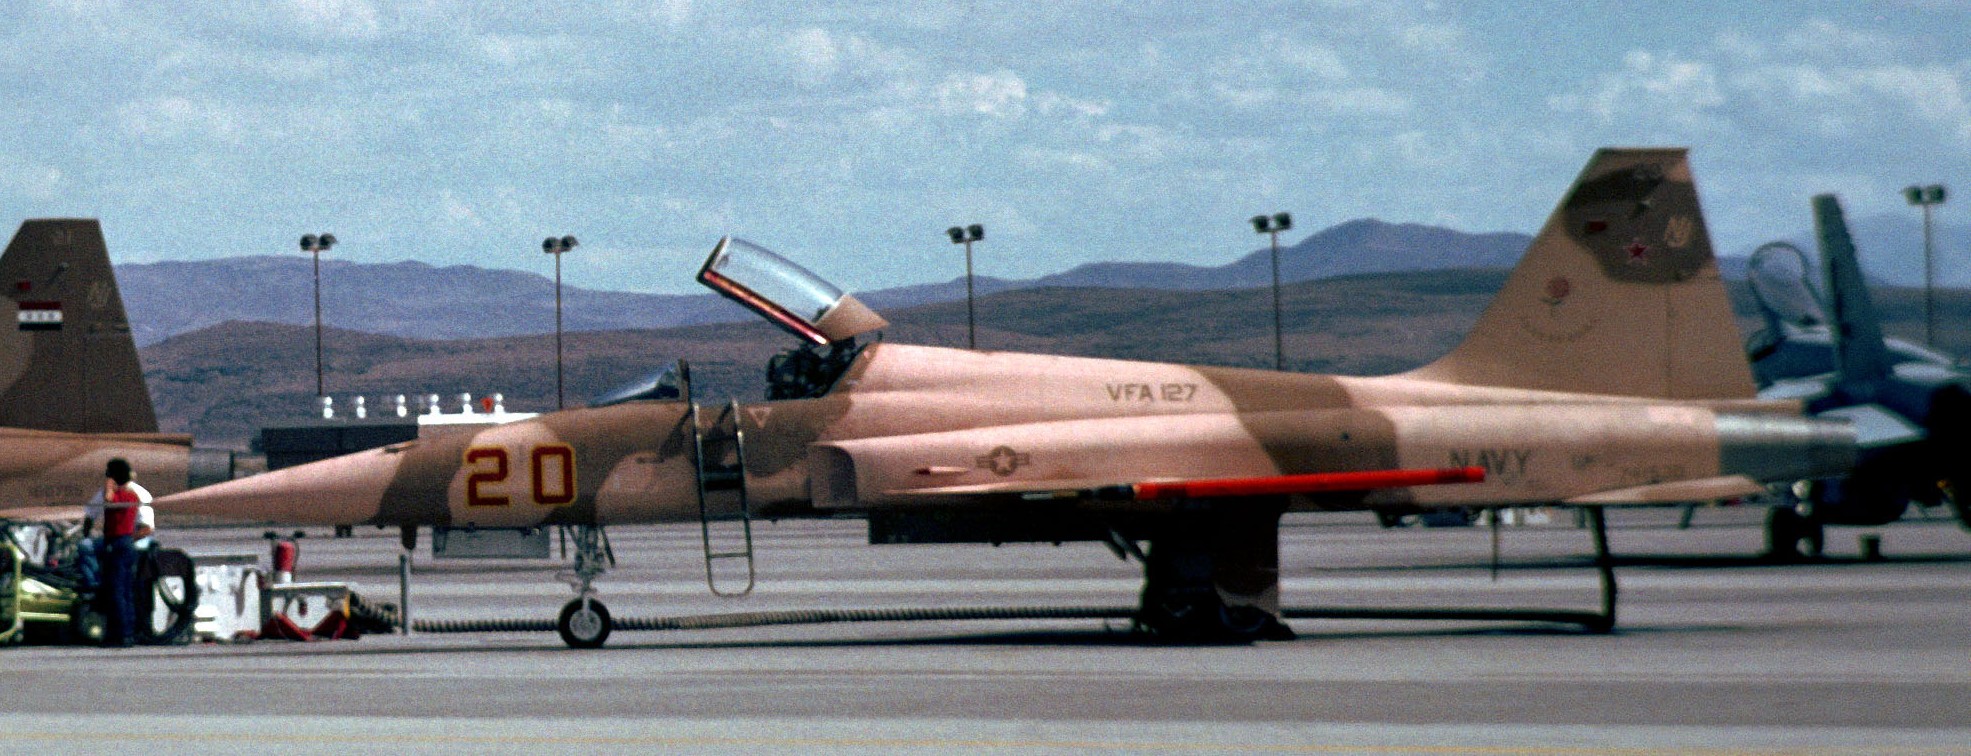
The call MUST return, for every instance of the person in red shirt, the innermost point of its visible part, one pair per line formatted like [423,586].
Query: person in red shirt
[119,500]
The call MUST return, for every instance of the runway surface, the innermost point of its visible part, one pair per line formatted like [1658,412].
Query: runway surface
[1714,652]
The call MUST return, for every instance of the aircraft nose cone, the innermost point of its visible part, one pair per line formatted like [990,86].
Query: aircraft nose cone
[345,490]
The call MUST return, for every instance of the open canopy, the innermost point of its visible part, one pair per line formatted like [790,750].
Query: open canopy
[784,293]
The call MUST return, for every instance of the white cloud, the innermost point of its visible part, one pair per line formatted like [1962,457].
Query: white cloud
[630,120]
[1000,94]
[1933,93]
[1374,101]
[1142,142]
[1656,88]
[1847,102]
[344,19]
[458,211]
[817,56]
[30,180]
[512,50]
[673,13]
[1319,61]
[1820,38]
[174,118]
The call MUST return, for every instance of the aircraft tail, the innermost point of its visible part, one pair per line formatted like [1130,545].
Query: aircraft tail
[68,361]
[1619,295]
[1860,355]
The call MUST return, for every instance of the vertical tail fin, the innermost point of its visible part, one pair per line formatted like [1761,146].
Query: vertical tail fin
[67,359]
[1860,355]
[1619,294]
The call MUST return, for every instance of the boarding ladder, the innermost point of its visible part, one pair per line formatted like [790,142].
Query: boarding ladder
[719,455]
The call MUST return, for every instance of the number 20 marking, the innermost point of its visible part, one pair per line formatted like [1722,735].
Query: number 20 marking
[551,467]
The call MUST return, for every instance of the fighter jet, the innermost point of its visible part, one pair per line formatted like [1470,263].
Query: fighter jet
[1602,374]
[72,395]
[1911,406]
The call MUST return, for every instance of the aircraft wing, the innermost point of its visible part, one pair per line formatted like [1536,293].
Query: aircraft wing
[1344,458]
[1675,492]
[42,514]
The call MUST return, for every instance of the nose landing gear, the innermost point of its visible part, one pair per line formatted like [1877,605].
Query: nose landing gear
[585,622]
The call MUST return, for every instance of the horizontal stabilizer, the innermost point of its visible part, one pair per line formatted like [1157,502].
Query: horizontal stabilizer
[1877,426]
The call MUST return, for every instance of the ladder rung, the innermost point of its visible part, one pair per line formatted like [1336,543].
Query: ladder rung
[728,555]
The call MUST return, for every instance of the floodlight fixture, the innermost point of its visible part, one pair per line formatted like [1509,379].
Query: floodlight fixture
[1927,197]
[555,246]
[966,235]
[1272,226]
[315,245]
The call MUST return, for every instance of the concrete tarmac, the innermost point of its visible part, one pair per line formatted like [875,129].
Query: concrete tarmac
[1714,652]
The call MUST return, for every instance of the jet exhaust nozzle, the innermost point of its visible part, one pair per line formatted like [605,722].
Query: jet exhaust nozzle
[208,466]
[1779,447]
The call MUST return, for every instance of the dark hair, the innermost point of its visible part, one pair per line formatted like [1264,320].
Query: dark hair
[118,470]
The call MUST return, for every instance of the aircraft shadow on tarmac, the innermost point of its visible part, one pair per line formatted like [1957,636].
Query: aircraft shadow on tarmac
[1114,635]
[431,567]
[1675,561]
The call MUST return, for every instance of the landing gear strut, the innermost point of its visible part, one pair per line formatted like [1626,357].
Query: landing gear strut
[585,622]
[1791,536]
[1214,577]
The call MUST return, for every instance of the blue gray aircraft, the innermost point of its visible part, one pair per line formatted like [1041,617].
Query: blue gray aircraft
[1911,406]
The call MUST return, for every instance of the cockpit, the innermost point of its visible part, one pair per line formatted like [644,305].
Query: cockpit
[826,320]
[801,303]
[1782,283]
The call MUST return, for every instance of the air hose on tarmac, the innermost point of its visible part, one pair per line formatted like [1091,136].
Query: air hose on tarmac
[385,616]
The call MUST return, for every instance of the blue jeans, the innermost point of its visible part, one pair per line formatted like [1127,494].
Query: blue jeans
[119,591]
[86,565]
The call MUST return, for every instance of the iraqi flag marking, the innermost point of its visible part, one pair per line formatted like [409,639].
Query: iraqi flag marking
[41,316]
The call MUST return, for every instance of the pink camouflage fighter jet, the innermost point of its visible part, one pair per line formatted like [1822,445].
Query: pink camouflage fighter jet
[1606,372]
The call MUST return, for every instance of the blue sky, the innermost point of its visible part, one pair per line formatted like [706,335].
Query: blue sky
[849,135]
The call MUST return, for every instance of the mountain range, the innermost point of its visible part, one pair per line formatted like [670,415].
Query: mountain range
[417,300]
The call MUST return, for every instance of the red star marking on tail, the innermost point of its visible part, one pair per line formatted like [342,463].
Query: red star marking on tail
[1638,253]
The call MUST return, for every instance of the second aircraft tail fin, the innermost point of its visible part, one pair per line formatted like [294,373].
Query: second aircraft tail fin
[1860,354]
[67,359]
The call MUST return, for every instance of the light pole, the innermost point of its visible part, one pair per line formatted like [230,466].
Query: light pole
[1925,197]
[1272,227]
[556,247]
[315,245]
[966,236]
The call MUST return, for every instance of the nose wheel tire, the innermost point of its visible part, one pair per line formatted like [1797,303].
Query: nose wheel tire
[584,623]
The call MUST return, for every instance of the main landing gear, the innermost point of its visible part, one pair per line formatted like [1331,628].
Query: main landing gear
[585,622]
[1792,536]
[1213,576]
